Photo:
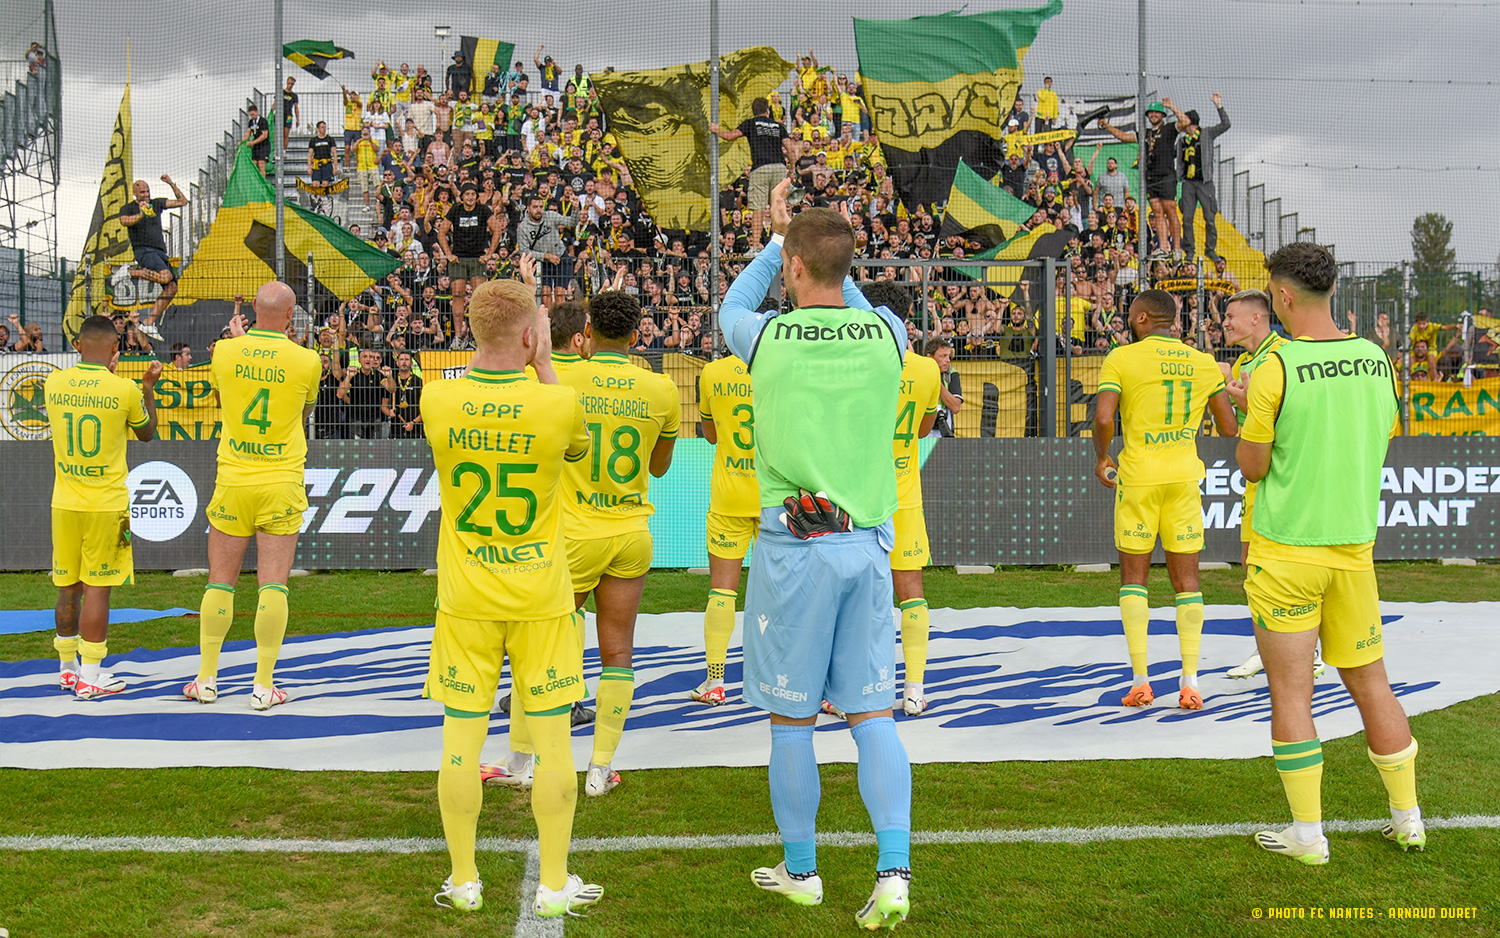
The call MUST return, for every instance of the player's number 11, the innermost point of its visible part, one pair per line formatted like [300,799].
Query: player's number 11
[1187,399]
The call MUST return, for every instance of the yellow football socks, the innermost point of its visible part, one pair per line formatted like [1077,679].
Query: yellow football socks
[915,627]
[520,728]
[718,625]
[1301,768]
[616,690]
[1399,772]
[1135,615]
[554,791]
[67,648]
[215,616]
[270,629]
[460,792]
[1190,634]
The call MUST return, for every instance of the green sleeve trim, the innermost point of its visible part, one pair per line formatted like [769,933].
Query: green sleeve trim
[280,587]
[220,586]
[554,712]
[665,435]
[705,418]
[912,603]
[1296,749]
[1302,762]
[137,426]
[1109,386]
[570,458]
[463,714]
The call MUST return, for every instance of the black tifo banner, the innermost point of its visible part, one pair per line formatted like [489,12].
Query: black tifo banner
[374,504]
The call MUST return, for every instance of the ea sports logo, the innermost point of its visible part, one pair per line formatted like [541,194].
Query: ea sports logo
[163,500]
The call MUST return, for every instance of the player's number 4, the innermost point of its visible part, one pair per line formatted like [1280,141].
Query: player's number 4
[500,485]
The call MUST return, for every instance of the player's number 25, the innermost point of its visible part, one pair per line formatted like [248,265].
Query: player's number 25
[500,485]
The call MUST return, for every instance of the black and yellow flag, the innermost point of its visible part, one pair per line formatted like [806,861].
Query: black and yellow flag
[938,87]
[660,117]
[107,242]
[313,55]
[480,54]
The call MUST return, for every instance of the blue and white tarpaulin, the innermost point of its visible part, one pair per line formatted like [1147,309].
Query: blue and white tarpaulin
[1026,684]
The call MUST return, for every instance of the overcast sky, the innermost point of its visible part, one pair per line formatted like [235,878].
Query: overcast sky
[1331,83]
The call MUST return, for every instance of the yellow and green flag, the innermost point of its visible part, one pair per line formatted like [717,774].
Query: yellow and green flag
[939,86]
[980,212]
[660,117]
[313,55]
[480,54]
[238,253]
[107,242]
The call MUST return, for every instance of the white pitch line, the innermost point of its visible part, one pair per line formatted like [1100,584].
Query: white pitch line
[410,845]
[528,924]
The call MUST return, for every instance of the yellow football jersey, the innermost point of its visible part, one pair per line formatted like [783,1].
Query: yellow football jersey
[626,409]
[920,380]
[90,408]
[499,442]
[1244,366]
[264,382]
[724,400]
[1164,387]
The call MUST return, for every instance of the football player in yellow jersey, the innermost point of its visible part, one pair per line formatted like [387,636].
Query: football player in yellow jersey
[1322,410]
[89,408]
[266,386]
[727,414]
[500,442]
[1247,323]
[917,412]
[1160,387]
[632,416]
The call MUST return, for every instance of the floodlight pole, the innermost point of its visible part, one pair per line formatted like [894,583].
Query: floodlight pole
[279,137]
[713,167]
[1142,201]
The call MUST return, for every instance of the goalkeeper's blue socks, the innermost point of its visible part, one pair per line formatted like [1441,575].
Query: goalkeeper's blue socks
[885,786]
[795,793]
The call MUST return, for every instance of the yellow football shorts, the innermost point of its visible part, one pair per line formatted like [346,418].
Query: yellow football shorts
[1343,605]
[91,547]
[730,537]
[546,664]
[624,556]
[1174,511]
[911,550]
[1246,504]
[242,510]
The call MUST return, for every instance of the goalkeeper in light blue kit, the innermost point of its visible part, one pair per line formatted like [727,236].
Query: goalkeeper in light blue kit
[818,619]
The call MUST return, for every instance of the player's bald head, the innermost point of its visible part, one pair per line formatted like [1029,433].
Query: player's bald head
[500,311]
[273,305]
[1158,306]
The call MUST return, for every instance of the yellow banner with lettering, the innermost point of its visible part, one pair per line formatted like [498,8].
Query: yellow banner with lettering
[1440,408]
[1016,142]
[187,408]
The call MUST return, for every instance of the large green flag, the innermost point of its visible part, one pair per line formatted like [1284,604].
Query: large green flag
[313,55]
[981,213]
[938,87]
[479,54]
[660,117]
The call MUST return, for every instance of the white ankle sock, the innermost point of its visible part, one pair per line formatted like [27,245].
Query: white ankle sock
[1308,832]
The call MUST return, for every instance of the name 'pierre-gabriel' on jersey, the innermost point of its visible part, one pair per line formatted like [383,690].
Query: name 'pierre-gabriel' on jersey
[626,410]
[500,443]
[89,408]
[725,399]
[1164,387]
[265,382]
